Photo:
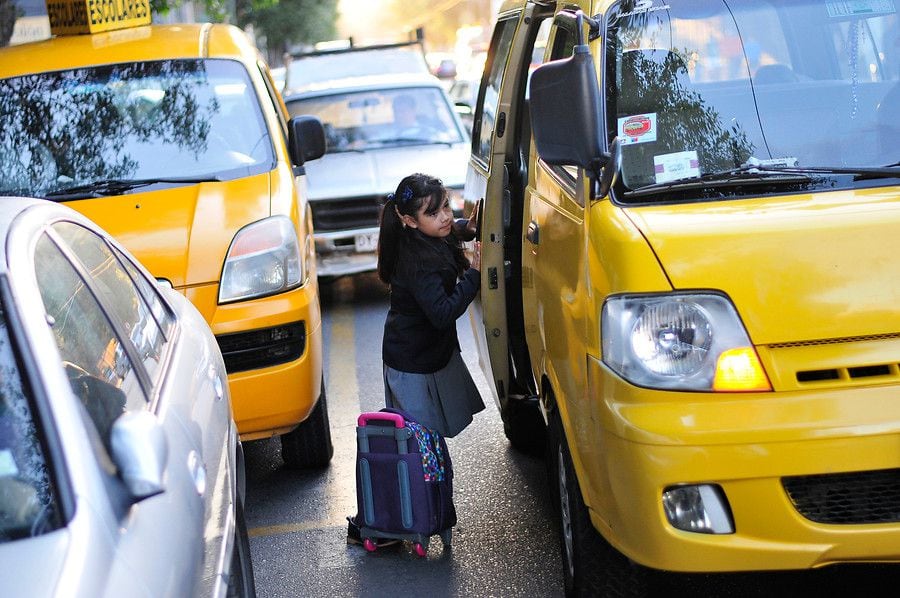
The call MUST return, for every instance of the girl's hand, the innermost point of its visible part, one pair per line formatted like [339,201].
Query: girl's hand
[475,262]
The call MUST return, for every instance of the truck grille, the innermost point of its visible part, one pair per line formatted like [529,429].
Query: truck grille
[847,498]
[343,214]
[262,348]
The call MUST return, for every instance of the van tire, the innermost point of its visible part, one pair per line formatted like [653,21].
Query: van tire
[591,566]
[524,426]
[309,445]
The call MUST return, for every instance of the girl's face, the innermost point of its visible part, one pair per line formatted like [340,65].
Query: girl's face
[439,224]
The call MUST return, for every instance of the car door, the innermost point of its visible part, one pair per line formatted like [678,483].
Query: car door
[498,173]
[118,355]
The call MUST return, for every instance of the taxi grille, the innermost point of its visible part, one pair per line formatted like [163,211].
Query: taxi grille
[847,498]
[342,214]
[262,348]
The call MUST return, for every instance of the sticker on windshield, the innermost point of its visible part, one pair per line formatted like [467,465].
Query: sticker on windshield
[680,165]
[640,128]
[7,464]
[851,8]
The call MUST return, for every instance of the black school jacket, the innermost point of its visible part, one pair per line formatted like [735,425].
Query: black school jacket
[426,300]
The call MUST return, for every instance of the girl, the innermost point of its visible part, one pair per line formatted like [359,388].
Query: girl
[432,283]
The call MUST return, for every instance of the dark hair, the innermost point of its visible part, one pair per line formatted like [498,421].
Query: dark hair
[412,193]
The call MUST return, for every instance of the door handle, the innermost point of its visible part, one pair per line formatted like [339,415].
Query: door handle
[533,234]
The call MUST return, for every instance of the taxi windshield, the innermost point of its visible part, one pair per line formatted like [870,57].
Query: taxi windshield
[382,118]
[167,119]
[701,87]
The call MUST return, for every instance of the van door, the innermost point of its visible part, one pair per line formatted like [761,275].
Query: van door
[498,174]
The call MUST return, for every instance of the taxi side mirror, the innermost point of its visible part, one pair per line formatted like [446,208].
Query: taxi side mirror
[306,139]
[566,116]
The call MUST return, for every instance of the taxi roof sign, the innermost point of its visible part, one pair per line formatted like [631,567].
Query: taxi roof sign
[93,16]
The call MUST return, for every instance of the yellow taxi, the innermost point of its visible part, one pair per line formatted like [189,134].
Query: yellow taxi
[689,279]
[175,140]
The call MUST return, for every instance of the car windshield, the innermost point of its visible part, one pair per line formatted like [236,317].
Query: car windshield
[382,118]
[146,120]
[27,502]
[703,87]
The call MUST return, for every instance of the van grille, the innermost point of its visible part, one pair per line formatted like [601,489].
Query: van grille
[262,348]
[343,214]
[847,498]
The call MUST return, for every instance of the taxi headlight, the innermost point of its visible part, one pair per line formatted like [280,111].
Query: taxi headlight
[680,341]
[264,259]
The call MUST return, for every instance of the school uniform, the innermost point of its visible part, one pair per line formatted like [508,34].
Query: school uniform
[424,373]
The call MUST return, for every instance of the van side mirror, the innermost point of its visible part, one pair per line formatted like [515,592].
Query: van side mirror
[566,119]
[306,139]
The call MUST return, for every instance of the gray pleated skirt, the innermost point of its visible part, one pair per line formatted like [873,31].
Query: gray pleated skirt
[444,401]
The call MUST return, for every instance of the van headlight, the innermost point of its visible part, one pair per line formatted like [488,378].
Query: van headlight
[263,259]
[680,341]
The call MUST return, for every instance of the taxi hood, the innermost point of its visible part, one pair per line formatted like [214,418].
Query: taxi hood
[182,233]
[379,171]
[798,268]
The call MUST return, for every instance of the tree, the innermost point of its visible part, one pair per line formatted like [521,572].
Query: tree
[290,22]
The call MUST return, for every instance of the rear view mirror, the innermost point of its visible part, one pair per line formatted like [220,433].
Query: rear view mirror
[306,139]
[565,113]
[139,451]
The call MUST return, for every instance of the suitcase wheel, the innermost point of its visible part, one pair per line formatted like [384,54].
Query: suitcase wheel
[420,550]
[370,545]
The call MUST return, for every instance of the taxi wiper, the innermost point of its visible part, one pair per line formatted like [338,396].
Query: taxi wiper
[106,187]
[741,175]
[756,173]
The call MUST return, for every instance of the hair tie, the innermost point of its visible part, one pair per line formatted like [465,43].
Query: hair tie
[390,197]
[406,193]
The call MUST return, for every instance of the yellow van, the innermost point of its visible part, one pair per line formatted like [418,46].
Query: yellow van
[689,235]
[174,139]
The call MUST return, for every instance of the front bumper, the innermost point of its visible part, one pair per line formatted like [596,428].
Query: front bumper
[340,253]
[272,399]
[637,442]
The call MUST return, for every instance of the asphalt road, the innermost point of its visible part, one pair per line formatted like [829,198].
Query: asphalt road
[505,544]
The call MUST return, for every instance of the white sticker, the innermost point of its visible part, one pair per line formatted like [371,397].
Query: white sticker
[640,128]
[7,464]
[680,165]
[850,8]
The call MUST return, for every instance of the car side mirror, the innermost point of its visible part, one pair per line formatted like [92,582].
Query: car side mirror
[566,118]
[140,452]
[306,139]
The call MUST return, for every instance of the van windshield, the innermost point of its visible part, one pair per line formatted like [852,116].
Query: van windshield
[380,118]
[701,87]
[147,120]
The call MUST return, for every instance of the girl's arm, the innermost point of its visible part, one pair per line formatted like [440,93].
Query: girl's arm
[441,309]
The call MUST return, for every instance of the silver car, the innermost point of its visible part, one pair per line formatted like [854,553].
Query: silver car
[121,472]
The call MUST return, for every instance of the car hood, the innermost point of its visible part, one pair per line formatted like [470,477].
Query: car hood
[377,172]
[798,268]
[182,233]
[38,564]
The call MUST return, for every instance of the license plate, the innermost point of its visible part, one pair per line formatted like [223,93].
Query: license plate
[366,242]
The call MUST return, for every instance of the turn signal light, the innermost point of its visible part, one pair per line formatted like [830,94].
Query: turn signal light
[739,370]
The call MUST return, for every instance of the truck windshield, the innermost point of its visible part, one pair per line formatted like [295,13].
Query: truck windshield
[382,118]
[704,87]
[190,119]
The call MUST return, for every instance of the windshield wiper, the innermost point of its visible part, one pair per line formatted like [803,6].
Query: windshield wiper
[106,187]
[756,173]
[416,140]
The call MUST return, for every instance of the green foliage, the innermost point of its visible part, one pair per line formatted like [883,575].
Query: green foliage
[290,22]
[215,10]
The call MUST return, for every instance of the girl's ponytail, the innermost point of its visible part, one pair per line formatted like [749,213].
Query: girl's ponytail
[390,229]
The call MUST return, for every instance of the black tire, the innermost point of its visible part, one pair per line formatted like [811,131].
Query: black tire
[591,566]
[241,583]
[309,445]
[524,426]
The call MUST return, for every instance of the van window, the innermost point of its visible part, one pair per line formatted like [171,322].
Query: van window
[489,96]
[702,88]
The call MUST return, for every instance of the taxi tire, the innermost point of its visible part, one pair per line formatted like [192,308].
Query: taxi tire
[309,445]
[591,566]
[524,426]
[241,583]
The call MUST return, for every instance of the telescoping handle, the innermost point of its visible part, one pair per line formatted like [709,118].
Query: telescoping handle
[365,418]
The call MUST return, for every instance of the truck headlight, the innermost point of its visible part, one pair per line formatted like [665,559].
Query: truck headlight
[680,341]
[264,259]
